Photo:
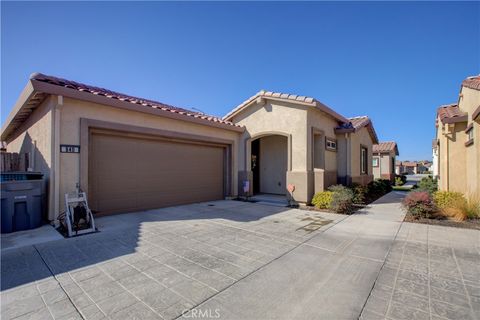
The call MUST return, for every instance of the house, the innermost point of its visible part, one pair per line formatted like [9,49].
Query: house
[406,167]
[132,154]
[383,161]
[456,147]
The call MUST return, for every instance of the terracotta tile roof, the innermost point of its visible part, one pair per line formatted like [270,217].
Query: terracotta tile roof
[309,101]
[141,102]
[356,123]
[451,113]
[385,147]
[409,164]
[472,82]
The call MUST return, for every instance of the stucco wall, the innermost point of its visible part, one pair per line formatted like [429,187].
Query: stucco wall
[275,117]
[35,134]
[359,138]
[385,169]
[469,102]
[273,164]
[73,110]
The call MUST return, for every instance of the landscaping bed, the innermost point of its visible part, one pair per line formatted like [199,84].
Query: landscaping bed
[427,205]
[347,200]
[443,221]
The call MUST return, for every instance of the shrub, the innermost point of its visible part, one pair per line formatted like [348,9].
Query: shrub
[322,200]
[428,184]
[379,187]
[400,180]
[342,199]
[454,205]
[448,199]
[359,193]
[419,204]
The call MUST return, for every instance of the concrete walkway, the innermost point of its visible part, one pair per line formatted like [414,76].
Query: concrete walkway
[237,260]
[329,276]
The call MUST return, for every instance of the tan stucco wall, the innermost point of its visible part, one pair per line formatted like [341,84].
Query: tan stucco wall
[469,102]
[273,164]
[73,110]
[275,117]
[385,168]
[361,137]
[452,157]
[459,165]
[35,133]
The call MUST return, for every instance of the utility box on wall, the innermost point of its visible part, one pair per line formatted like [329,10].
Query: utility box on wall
[22,201]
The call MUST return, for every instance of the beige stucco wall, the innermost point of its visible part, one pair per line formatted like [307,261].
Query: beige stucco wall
[469,101]
[459,165]
[361,137]
[273,164]
[274,118]
[385,168]
[35,134]
[73,110]
[452,157]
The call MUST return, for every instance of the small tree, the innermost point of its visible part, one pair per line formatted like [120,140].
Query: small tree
[428,184]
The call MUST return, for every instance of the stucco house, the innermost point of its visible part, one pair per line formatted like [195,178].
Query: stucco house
[383,162]
[456,148]
[131,154]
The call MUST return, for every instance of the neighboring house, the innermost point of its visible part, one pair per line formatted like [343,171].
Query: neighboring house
[406,167]
[383,162]
[131,154]
[457,143]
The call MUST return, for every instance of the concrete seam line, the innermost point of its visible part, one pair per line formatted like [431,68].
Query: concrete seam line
[60,285]
[383,264]
[261,267]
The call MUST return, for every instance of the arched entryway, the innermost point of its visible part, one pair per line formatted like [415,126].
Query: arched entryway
[269,164]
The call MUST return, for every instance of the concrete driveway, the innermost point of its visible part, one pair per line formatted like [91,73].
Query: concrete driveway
[235,260]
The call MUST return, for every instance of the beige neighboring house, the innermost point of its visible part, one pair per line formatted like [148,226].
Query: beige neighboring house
[131,154]
[383,162]
[456,149]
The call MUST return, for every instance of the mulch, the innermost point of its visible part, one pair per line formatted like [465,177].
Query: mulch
[467,224]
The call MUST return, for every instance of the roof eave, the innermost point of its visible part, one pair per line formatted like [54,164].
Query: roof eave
[27,93]
[34,86]
[476,113]
[463,118]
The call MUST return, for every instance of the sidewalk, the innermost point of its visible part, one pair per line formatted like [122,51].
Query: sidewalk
[329,276]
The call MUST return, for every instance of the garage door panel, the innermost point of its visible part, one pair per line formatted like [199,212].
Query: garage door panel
[135,173]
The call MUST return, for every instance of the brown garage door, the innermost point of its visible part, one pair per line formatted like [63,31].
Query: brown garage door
[129,172]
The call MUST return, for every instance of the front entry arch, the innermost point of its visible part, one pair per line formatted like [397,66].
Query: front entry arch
[269,164]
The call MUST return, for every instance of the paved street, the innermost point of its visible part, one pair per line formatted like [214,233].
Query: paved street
[236,260]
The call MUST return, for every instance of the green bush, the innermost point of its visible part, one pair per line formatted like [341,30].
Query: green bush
[419,204]
[400,180]
[448,199]
[322,200]
[379,187]
[359,193]
[428,184]
[342,199]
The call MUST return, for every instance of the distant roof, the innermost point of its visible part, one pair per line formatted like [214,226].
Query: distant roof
[409,164]
[472,82]
[451,113]
[303,100]
[385,147]
[355,124]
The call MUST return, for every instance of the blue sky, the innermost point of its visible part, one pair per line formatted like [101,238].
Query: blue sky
[395,62]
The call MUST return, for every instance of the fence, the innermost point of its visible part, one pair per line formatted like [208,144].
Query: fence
[12,161]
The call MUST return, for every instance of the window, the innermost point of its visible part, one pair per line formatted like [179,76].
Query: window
[330,144]
[363,160]
[375,162]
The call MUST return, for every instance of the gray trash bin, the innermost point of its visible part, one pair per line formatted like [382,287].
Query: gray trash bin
[22,201]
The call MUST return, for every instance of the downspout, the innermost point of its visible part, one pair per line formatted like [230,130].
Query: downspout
[448,162]
[348,156]
[55,175]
